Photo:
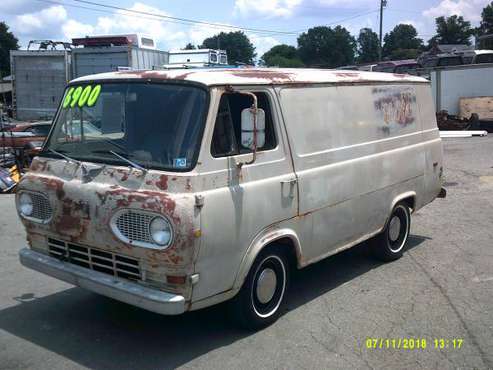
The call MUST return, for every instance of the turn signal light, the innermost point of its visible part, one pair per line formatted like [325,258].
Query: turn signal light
[176,279]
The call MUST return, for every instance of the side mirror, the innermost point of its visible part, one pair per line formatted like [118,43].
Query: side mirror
[247,128]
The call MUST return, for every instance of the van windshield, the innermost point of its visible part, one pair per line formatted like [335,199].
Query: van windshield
[153,125]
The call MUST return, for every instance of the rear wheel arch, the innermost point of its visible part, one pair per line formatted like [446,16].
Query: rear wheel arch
[409,198]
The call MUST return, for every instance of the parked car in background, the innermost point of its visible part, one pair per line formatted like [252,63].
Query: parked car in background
[37,128]
[406,66]
[482,56]
[367,67]
[6,181]
[348,68]
[444,60]
[26,138]
[18,140]
[200,186]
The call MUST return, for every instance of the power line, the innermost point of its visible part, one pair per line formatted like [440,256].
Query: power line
[342,20]
[156,17]
[187,20]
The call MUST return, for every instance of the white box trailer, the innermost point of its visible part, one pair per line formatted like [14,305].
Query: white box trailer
[198,57]
[38,81]
[452,83]
[91,60]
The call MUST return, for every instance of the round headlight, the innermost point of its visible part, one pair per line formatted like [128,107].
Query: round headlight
[160,231]
[26,204]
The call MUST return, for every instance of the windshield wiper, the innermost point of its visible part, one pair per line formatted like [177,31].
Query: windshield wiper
[70,160]
[121,157]
[113,142]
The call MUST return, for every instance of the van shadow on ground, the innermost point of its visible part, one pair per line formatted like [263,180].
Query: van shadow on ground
[100,333]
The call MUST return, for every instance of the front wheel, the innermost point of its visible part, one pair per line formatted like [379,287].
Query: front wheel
[390,243]
[258,303]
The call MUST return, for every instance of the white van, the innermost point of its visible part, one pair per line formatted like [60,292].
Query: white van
[176,190]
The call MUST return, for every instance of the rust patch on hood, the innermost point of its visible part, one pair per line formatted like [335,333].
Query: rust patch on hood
[38,165]
[162,183]
[53,185]
[73,219]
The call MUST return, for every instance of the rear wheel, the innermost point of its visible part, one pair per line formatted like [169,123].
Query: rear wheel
[390,243]
[258,303]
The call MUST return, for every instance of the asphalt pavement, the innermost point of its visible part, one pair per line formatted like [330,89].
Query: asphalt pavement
[442,289]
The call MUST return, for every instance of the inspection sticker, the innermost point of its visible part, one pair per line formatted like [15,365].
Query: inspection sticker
[180,162]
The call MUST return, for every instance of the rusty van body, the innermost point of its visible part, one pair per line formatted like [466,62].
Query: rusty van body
[177,190]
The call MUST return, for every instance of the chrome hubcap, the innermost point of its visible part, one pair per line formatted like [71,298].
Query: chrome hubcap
[394,228]
[266,285]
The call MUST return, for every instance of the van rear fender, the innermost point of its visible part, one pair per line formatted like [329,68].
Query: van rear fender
[265,238]
[409,197]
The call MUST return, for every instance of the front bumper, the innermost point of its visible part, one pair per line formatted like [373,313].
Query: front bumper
[110,286]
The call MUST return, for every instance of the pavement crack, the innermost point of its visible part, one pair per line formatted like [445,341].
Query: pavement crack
[484,357]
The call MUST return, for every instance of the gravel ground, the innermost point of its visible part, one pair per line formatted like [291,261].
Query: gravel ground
[441,289]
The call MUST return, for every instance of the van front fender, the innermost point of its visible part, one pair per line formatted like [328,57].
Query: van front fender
[263,239]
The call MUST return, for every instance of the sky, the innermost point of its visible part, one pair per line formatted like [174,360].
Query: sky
[283,19]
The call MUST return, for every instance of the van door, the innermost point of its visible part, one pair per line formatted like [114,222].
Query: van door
[240,202]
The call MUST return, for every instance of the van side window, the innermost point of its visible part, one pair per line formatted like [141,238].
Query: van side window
[226,139]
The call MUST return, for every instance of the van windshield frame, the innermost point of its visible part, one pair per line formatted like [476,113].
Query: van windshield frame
[94,144]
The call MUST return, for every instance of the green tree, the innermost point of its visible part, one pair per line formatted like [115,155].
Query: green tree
[282,56]
[452,30]
[7,42]
[189,46]
[236,44]
[326,47]
[486,26]
[367,46]
[403,37]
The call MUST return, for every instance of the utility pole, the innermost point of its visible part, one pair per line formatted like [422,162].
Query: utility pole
[383,4]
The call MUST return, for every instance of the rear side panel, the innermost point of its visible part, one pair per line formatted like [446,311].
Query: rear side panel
[432,145]
[355,149]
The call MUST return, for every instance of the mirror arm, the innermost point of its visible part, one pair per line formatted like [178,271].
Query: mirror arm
[253,109]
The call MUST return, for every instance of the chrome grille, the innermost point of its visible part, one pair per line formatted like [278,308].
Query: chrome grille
[135,226]
[42,210]
[95,259]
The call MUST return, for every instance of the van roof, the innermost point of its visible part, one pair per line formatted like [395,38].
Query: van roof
[256,76]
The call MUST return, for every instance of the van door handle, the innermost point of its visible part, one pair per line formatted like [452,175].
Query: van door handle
[291,182]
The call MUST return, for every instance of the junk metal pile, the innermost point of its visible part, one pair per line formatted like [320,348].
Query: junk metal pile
[19,143]
[449,122]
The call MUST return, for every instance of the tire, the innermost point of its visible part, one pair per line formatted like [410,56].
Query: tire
[390,244]
[259,302]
